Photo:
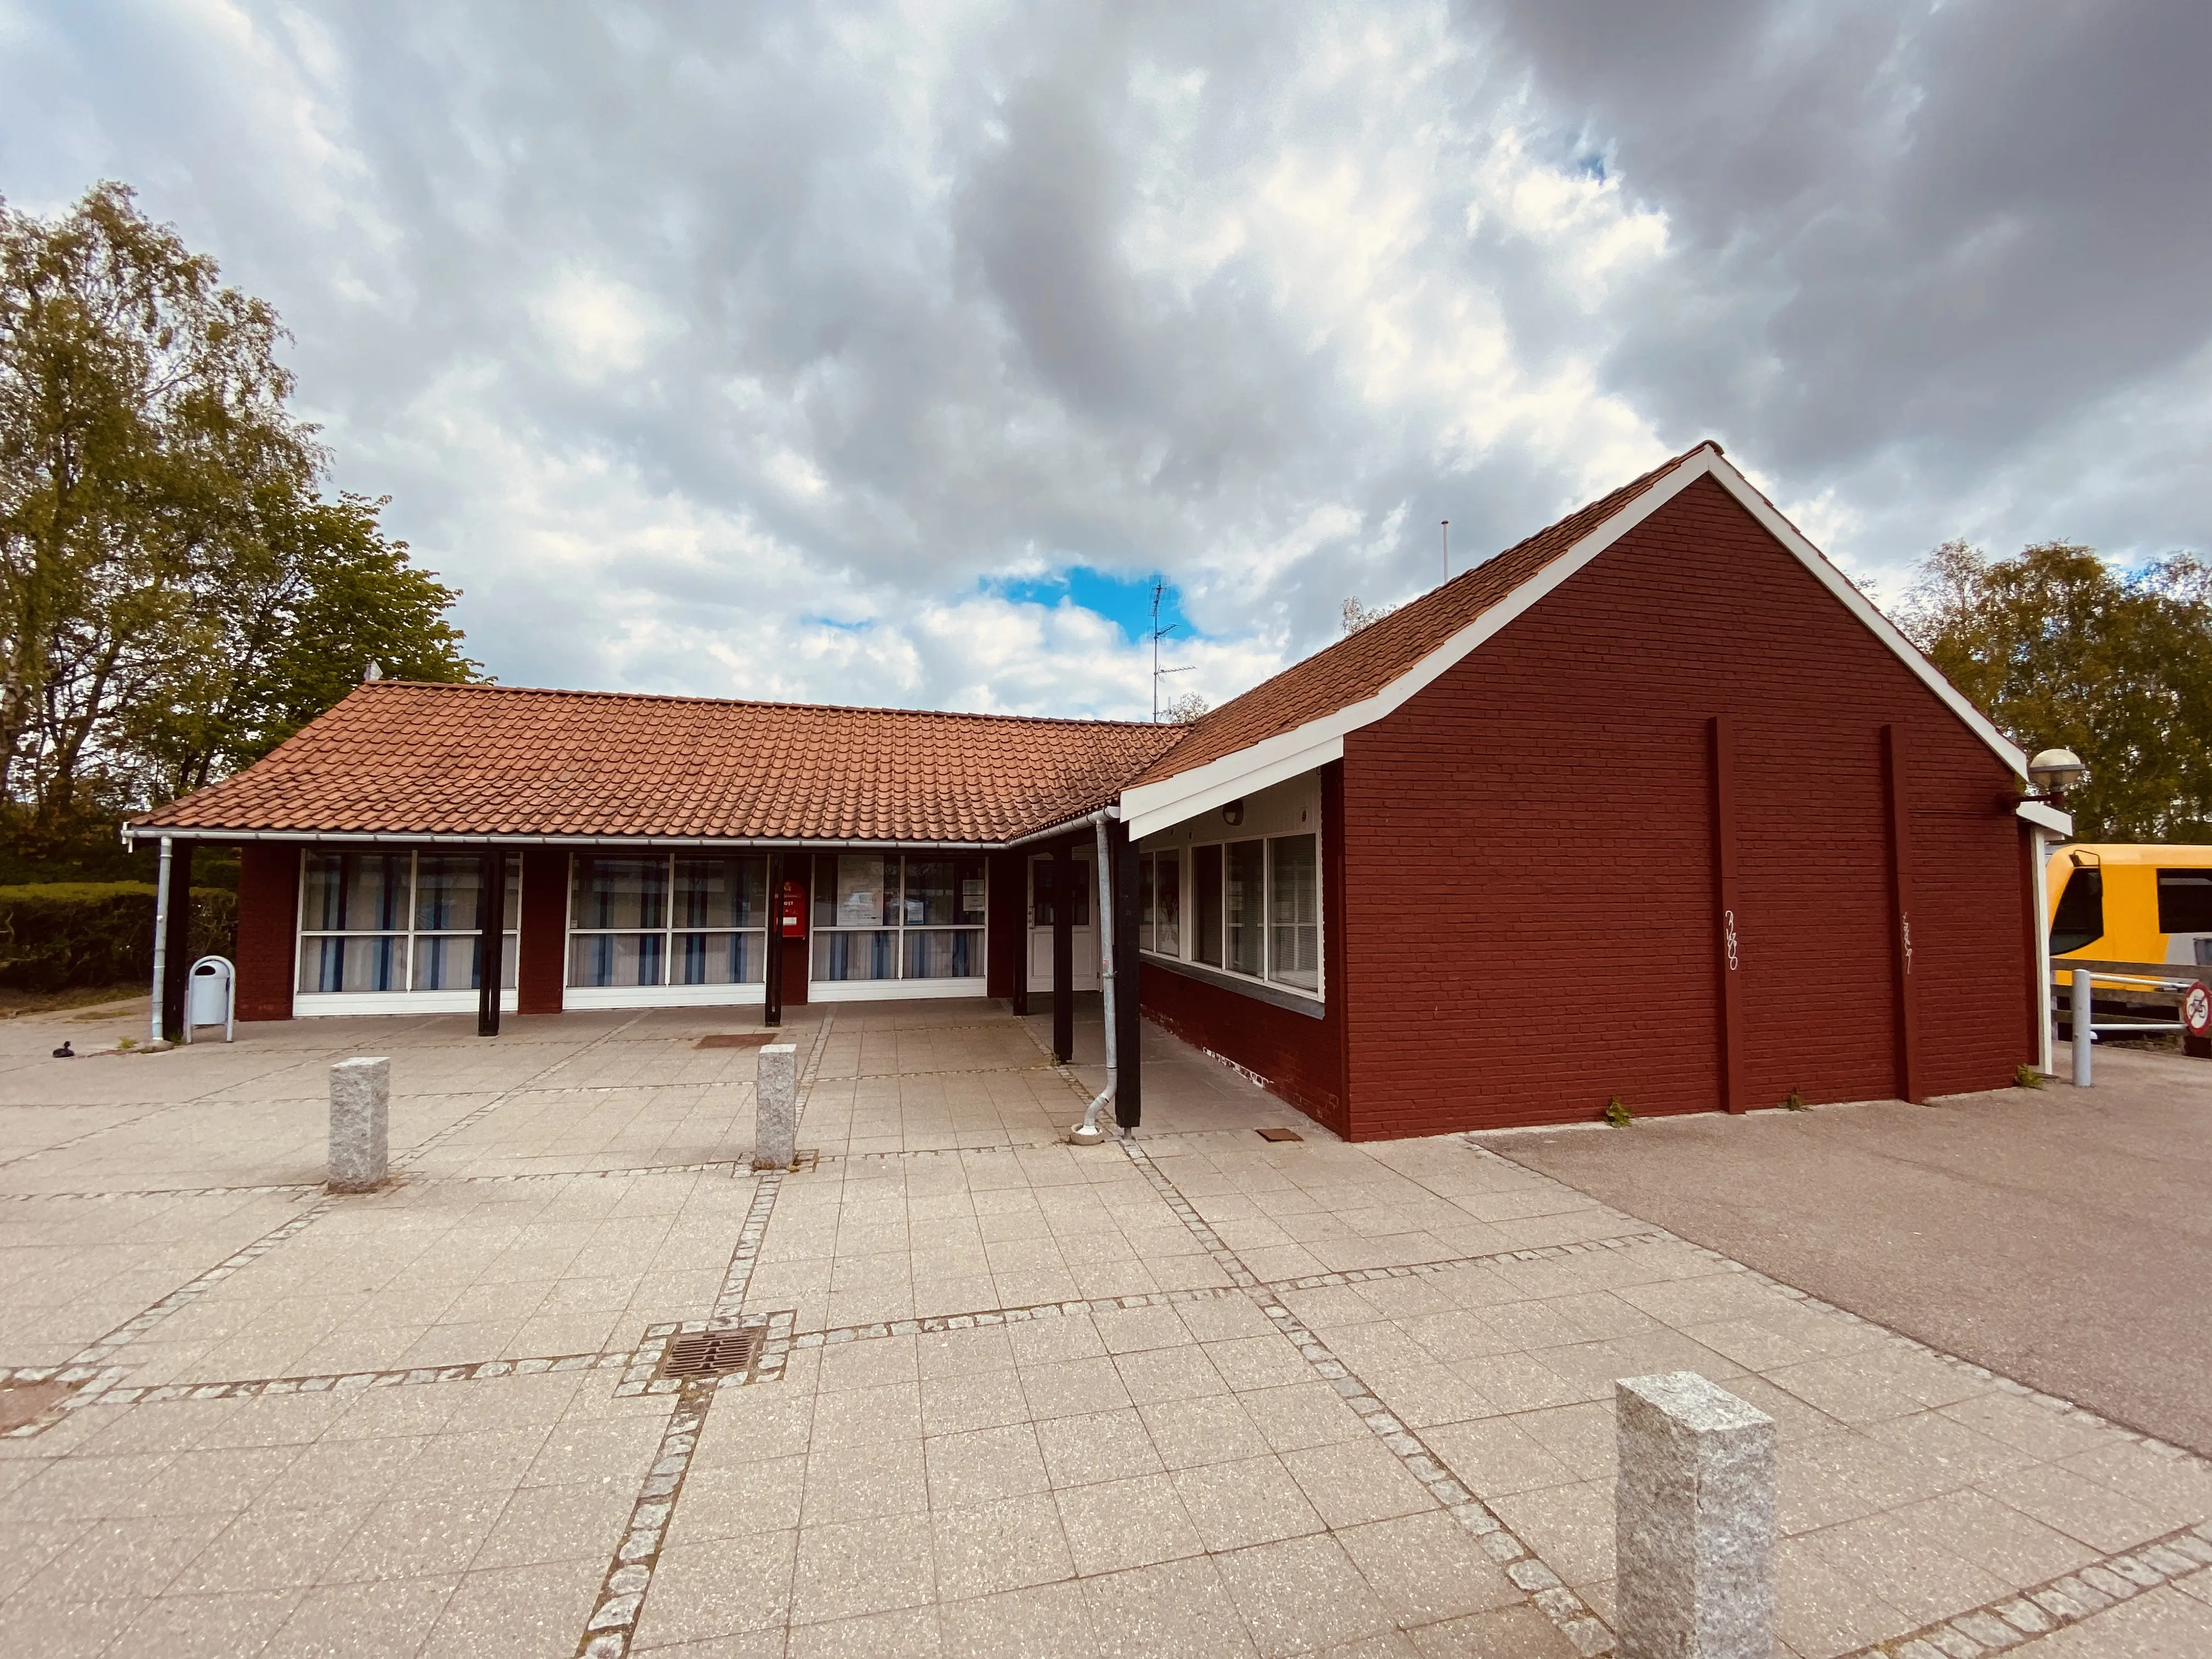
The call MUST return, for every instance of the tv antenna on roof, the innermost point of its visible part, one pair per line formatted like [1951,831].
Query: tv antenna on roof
[1157,634]
[1446,523]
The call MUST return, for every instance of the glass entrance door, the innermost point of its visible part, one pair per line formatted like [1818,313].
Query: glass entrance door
[1083,904]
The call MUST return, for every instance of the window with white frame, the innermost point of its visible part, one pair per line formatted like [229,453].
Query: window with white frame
[680,919]
[1255,907]
[373,921]
[1160,903]
[891,916]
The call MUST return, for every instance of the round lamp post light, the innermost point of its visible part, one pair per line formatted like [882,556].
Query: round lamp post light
[2054,772]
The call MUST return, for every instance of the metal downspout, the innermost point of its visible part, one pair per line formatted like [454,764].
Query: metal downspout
[1087,1133]
[161,936]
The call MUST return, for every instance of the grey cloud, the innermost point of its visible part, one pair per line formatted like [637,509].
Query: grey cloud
[890,301]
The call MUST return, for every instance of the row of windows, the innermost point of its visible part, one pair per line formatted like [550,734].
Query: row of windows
[891,915]
[1254,909]
[398,921]
[681,919]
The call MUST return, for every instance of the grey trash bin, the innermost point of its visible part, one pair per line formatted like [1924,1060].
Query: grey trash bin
[210,996]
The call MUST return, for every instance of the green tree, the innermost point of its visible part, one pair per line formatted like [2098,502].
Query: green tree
[176,595]
[320,595]
[2061,649]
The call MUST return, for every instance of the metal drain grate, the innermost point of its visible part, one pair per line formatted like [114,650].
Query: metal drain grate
[712,1353]
[1280,1135]
[736,1040]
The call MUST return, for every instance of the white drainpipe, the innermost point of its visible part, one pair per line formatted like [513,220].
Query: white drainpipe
[160,935]
[1088,1134]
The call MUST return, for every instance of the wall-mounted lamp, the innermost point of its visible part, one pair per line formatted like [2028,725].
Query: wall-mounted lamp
[2054,772]
[1233,814]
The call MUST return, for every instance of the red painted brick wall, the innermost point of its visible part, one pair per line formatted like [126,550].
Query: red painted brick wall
[1528,878]
[542,968]
[1296,1056]
[268,929]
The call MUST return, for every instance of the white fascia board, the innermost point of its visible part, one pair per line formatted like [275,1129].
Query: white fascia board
[1156,805]
[2046,816]
[1234,776]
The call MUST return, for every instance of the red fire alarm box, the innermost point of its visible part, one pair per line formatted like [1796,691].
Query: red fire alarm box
[791,912]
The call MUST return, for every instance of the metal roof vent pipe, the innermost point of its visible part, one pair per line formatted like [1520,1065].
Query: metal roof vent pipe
[1087,1133]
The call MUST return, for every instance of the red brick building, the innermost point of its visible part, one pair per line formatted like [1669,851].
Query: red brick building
[1653,804]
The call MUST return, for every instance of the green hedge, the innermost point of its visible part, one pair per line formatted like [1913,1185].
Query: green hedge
[55,936]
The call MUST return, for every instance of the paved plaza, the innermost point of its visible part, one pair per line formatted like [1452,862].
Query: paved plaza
[1198,1394]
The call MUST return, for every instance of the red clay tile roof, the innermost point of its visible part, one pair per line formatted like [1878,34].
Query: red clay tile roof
[404,758]
[1360,664]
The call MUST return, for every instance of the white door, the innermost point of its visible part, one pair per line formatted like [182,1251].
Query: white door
[1083,919]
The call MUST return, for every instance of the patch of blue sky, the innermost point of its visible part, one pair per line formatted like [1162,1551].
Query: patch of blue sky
[1125,601]
[838,623]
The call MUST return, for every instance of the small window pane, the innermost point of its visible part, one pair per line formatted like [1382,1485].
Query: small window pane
[1167,904]
[1293,912]
[623,894]
[971,898]
[1242,902]
[720,892]
[2184,901]
[856,956]
[2081,917]
[1079,895]
[615,958]
[452,961]
[862,891]
[356,892]
[718,960]
[1206,881]
[1040,892]
[944,953]
[358,964]
[446,894]
[1144,903]
[929,892]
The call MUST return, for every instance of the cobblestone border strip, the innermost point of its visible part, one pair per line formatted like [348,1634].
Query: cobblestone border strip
[1582,1627]
[1424,1269]
[192,1289]
[156,1394]
[2061,1601]
[168,1192]
[614,1615]
[613,1620]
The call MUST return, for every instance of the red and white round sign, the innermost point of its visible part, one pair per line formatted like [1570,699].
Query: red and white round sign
[2197,1009]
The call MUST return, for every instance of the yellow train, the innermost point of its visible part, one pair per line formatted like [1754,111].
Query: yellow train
[2132,904]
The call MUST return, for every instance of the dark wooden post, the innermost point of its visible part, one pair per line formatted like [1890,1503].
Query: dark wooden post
[491,934]
[1721,745]
[1128,1010]
[1893,750]
[1063,955]
[177,946]
[772,963]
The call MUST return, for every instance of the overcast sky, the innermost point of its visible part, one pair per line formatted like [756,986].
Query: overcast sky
[885,355]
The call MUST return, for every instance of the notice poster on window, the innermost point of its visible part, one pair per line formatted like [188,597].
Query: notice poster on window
[971,895]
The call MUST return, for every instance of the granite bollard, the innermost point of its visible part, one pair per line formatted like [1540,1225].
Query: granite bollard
[776,1136]
[1694,1520]
[361,1103]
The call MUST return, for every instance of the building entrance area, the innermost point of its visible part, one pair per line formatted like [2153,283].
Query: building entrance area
[1083,924]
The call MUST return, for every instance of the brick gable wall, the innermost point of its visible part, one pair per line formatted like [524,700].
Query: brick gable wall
[1529,859]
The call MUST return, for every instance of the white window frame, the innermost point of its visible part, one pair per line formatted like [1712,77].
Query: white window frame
[665,995]
[1187,953]
[899,987]
[309,1004]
